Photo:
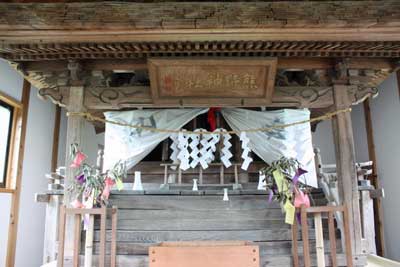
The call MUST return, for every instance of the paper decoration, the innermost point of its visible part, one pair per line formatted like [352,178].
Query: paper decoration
[225,198]
[195,187]
[119,184]
[270,196]
[301,199]
[175,150]
[246,150]
[299,173]
[81,179]
[290,211]
[79,158]
[208,147]
[194,154]
[262,183]
[77,204]
[183,154]
[226,145]
[107,188]
[280,181]
[137,184]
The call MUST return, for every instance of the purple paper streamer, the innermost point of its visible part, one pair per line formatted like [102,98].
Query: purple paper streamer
[271,195]
[86,222]
[299,173]
[80,178]
[298,217]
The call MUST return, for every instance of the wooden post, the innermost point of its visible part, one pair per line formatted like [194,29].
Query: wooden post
[56,135]
[74,134]
[15,197]
[332,238]
[165,152]
[295,246]
[61,236]
[377,202]
[304,236]
[319,239]
[345,162]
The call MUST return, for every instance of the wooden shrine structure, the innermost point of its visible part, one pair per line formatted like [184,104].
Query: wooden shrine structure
[99,56]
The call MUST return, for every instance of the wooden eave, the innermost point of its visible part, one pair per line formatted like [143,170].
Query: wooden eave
[200,21]
[105,37]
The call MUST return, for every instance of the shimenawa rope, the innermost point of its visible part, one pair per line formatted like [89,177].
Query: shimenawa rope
[91,117]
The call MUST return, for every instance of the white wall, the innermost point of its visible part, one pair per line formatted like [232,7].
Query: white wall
[37,161]
[385,111]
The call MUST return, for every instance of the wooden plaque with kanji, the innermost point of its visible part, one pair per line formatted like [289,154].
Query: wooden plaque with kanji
[221,82]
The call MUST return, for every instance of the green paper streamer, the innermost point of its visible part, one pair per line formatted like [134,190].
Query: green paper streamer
[119,184]
[290,212]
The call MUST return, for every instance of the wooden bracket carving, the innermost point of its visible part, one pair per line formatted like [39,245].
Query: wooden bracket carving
[117,97]
[57,95]
[357,94]
[75,69]
[310,97]
[340,72]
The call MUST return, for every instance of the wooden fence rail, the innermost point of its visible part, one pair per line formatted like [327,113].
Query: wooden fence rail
[78,216]
[317,212]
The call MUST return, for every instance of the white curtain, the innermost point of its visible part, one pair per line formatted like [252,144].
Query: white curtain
[294,141]
[132,145]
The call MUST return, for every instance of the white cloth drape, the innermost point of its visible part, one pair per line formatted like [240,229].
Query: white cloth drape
[294,141]
[132,145]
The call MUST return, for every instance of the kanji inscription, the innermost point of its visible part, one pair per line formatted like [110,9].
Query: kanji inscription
[190,80]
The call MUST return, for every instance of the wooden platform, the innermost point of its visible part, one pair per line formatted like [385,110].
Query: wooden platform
[155,216]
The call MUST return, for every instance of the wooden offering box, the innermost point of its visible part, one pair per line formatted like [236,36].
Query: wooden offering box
[204,254]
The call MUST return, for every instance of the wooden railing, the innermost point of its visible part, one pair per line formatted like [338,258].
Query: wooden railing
[317,212]
[78,217]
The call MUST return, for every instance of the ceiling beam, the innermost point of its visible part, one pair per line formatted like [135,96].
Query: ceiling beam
[140,64]
[11,35]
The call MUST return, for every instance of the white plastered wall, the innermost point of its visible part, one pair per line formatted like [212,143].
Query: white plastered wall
[385,109]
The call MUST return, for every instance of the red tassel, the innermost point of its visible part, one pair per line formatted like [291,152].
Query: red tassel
[212,121]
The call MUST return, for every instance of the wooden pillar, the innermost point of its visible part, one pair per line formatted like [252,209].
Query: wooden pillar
[56,137]
[345,164]
[74,135]
[378,213]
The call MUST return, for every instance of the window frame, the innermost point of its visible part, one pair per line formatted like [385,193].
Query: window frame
[8,156]
[13,141]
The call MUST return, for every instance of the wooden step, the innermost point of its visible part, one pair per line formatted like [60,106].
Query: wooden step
[161,236]
[265,261]
[266,248]
[202,202]
[227,214]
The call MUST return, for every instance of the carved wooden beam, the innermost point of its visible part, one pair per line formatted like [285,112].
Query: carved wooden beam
[140,64]
[115,98]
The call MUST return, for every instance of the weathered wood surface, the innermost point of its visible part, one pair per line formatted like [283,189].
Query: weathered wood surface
[104,98]
[375,181]
[345,160]
[155,236]
[18,158]
[74,135]
[239,81]
[266,261]
[200,225]
[237,202]
[135,213]
[266,248]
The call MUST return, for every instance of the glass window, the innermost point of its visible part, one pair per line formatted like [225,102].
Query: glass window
[6,114]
